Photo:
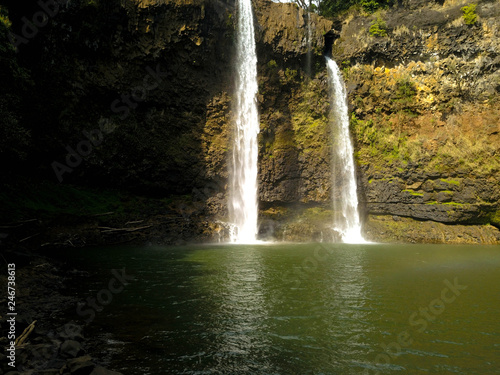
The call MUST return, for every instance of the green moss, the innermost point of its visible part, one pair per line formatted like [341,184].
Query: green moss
[379,144]
[272,64]
[4,17]
[284,140]
[417,194]
[450,181]
[453,204]
[316,214]
[289,76]
[378,28]
[406,90]
[469,14]
[371,6]
[495,218]
[309,113]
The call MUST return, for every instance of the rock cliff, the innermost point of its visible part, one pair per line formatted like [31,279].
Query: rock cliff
[425,111]
[152,81]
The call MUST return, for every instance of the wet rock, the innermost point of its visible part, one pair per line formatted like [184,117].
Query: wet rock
[386,229]
[80,366]
[70,331]
[444,196]
[102,371]
[71,349]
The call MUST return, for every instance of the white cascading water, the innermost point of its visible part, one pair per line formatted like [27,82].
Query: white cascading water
[309,42]
[347,221]
[243,206]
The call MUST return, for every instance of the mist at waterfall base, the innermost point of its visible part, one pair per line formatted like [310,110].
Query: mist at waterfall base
[294,309]
[243,205]
[344,191]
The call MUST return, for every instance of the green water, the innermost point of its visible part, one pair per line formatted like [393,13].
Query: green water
[298,309]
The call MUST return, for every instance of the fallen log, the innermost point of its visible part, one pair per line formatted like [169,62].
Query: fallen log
[111,230]
[21,339]
[27,238]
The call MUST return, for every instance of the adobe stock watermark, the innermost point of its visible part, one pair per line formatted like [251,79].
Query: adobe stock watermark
[43,354]
[95,137]
[419,319]
[105,296]
[48,9]
[310,264]
[87,309]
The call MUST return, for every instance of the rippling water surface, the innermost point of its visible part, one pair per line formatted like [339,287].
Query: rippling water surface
[298,309]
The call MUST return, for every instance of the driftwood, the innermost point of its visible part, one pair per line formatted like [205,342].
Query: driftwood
[27,238]
[65,243]
[134,222]
[17,224]
[21,339]
[112,230]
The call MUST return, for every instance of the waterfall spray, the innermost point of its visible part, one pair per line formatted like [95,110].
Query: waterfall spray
[243,206]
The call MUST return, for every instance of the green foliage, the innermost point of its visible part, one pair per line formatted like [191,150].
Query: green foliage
[92,3]
[404,96]
[370,5]
[289,76]
[378,143]
[332,8]
[229,21]
[4,17]
[495,218]
[469,14]
[14,138]
[309,111]
[272,64]
[14,86]
[308,5]
[378,28]
[346,68]
[406,89]
[48,200]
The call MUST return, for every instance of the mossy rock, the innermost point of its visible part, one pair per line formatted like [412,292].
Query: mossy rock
[495,219]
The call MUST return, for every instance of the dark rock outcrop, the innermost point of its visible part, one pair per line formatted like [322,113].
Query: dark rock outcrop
[423,102]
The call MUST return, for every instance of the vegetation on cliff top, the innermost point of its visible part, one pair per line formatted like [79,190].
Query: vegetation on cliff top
[331,8]
[469,14]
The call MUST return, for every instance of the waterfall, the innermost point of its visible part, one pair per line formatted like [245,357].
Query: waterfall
[243,207]
[309,42]
[345,205]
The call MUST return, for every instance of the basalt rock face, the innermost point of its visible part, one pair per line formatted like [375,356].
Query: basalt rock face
[425,121]
[144,79]
[155,79]
[425,112]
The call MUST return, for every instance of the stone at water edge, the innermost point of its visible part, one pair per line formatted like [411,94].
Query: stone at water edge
[102,371]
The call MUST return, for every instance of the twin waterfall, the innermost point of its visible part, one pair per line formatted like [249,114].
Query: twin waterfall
[243,199]
[345,206]
[243,206]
